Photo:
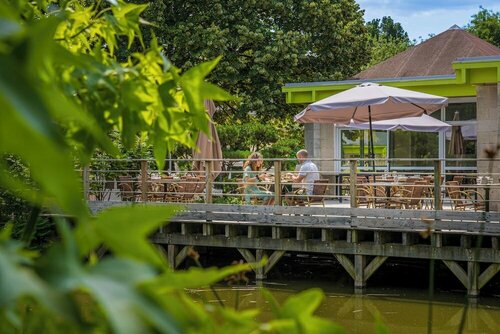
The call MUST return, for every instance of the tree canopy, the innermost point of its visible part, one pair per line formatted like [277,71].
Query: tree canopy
[387,38]
[486,25]
[263,44]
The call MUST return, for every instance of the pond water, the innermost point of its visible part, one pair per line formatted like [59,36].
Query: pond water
[401,310]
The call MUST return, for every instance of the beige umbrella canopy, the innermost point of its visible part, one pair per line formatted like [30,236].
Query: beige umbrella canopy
[456,147]
[208,147]
[369,102]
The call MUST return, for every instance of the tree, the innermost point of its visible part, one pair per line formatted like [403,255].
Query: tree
[263,46]
[387,28]
[387,38]
[486,25]
[62,90]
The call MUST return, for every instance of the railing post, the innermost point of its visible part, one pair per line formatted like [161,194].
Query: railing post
[277,182]
[438,205]
[86,185]
[209,181]
[353,164]
[144,180]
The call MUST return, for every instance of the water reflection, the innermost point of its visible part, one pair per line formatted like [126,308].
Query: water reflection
[402,311]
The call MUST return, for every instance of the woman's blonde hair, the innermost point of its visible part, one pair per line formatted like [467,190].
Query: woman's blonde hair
[252,160]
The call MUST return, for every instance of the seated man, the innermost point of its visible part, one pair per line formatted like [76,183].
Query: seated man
[308,173]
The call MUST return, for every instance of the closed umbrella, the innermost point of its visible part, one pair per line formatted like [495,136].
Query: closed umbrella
[456,147]
[370,102]
[208,147]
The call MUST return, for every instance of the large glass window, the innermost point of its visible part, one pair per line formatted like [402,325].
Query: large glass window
[413,145]
[466,111]
[355,145]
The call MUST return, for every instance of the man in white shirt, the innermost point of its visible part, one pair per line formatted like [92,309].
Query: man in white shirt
[308,173]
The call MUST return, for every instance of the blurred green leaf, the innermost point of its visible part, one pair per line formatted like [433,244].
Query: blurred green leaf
[197,277]
[125,231]
[113,283]
[303,303]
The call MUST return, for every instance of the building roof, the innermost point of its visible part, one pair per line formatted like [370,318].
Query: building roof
[432,57]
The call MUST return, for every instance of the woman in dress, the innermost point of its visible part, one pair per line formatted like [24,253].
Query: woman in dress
[251,178]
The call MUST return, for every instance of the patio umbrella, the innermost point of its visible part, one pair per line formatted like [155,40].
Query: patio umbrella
[208,147]
[370,102]
[456,147]
[424,123]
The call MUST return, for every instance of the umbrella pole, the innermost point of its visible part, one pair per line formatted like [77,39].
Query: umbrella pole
[372,151]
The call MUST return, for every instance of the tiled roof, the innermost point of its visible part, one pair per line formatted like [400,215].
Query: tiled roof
[432,57]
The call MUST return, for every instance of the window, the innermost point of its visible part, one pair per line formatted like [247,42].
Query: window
[413,145]
[355,145]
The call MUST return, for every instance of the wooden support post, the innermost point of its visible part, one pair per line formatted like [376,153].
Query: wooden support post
[229,231]
[259,272]
[495,243]
[373,266]
[437,240]
[353,165]
[346,263]
[86,182]
[273,259]
[326,235]
[253,232]
[465,241]
[301,233]
[277,232]
[352,236]
[458,271]
[181,256]
[247,255]
[472,279]
[208,181]
[380,237]
[438,205]
[409,239]
[171,254]
[359,272]
[144,180]
[488,274]
[277,182]
[208,229]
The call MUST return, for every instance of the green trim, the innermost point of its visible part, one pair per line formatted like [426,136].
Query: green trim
[468,74]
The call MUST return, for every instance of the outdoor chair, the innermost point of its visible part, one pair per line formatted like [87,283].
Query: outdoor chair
[409,196]
[318,196]
[379,198]
[363,196]
[126,186]
[185,190]
[463,200]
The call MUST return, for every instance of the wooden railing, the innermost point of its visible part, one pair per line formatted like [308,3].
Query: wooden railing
[140,181]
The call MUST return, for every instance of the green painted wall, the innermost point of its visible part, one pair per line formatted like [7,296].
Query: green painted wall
[468,75]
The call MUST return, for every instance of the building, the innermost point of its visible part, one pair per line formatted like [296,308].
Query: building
[455,64]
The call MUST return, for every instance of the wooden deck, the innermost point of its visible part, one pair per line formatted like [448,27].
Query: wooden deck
[360,239]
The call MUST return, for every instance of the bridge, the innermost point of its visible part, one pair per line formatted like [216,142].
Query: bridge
[360,239]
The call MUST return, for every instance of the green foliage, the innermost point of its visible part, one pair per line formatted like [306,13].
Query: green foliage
[247,136]
[387,38]
[264,45]
[62,91]
[485,24]
[387,28]
[296,315]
